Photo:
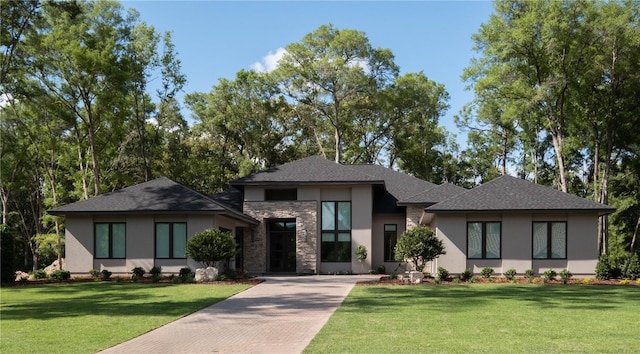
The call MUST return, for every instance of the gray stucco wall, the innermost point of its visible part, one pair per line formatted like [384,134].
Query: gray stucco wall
[516,243]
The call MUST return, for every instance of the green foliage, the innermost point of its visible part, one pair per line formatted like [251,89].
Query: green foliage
[510,274]
[381,269]
[550,274]
[60,275]
[156,274]
[47,248]
[466,275]
[529,274]
[631,268]
[418,245]
[603,268]
[40,274]
[361,253]
[565,275]
[486,272]
[105,274]
[443,274]
[94,273]
[211,246]
[186,274]
[138,273]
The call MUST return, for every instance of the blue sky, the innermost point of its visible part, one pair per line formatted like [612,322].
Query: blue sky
[216,39]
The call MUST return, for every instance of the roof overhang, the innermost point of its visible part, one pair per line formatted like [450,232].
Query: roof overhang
[229,213]
[600,212]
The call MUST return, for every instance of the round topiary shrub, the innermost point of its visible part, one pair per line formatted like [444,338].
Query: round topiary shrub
[419,245]
[211,246]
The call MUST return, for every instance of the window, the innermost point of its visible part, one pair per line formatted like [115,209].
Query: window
[281,194]
[550,240]
[390,240]
[483,240]
[110,240]
[336,232]
[171,240]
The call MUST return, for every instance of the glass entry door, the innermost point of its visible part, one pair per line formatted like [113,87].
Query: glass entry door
[282,245]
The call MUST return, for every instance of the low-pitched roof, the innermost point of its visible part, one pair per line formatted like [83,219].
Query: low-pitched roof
[400,185]
[158,196]
[433,195]
[309,170]
[508,193]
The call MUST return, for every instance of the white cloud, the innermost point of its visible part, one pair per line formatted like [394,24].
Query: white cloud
[269,62]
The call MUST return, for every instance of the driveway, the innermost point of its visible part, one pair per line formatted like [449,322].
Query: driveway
[280,315]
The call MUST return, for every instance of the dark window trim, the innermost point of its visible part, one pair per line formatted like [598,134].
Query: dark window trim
[549,241]
[484,238]
[336,232]
[95,244]
[384,236]
[155,239]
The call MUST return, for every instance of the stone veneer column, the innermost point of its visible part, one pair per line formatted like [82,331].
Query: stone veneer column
[305,214]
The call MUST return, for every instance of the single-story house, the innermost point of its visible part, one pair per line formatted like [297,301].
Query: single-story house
[310,215]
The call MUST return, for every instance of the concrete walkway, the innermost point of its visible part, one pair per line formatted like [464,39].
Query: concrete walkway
[280,315]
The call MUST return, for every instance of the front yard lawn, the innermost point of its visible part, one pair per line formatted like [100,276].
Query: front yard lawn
[484,318]
[88,317]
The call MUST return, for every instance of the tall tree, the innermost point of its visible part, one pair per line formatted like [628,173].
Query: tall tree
[331,75]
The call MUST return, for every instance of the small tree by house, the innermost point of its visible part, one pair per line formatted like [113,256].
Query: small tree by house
[211,246]
[361,254]
[419,245]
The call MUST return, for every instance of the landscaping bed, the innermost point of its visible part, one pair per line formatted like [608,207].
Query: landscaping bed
[389,280]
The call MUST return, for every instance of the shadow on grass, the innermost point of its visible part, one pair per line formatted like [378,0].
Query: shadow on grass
[99,299]
[463,297]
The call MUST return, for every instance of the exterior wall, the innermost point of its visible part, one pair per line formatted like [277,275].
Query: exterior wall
[256,244]
[516,243]
[361,224]
[140,242]
[414,213]
[377,244]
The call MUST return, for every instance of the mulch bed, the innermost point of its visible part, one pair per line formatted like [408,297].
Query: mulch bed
[386,280]
[145,280]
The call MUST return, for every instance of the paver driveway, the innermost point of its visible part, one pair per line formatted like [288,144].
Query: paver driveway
[280,315]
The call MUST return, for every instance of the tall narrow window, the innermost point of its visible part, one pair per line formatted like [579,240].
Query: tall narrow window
[390,240]
[171,240]
[336,232]
[483,240]
[550,240]
[110,240]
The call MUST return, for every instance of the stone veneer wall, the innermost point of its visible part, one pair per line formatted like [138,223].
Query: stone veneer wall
[255,245]
[414,213]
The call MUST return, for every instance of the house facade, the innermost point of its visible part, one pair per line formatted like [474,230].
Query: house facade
[309,216]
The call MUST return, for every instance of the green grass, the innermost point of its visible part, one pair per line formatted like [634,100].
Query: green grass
[88,317]
[484,318]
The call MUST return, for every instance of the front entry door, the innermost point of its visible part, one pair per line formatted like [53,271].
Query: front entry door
[282,245]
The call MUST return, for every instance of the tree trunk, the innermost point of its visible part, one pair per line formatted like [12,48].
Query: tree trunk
[557,146]
[634,244]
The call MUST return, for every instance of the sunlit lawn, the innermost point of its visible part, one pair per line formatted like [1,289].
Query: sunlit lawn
[88,317]
[484,318]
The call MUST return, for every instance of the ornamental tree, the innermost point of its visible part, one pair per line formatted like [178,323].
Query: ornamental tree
[211,246]
[419,246]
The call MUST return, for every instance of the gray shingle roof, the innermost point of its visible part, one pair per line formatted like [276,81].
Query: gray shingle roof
[400,185]
[310,170]
[508,193]
[160,195]
[434,195]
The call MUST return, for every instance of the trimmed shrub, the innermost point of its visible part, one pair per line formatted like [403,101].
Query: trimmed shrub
[211,246]
[550,274]
[486,272]
[466,275]
[529,274]
[510,274]
[156,274]
[138,273]
[40,274]
[60,274]
[105,274]
[95,273]
[603,268]
[443,274]
[382,269]
[185,274]
[565,275]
